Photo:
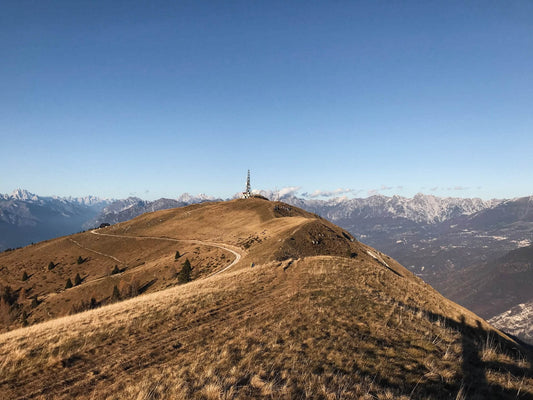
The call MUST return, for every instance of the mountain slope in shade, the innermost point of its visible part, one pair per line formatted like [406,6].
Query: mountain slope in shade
[499,286]
[307,312]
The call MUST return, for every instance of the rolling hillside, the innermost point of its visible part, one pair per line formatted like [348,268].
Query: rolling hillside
[303,311]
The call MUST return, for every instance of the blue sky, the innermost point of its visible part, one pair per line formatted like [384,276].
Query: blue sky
[159,98]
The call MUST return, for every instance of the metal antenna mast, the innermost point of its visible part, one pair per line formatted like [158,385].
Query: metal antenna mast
[248,193]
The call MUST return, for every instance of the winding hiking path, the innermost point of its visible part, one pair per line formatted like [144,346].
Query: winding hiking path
[97,252]
[232,249]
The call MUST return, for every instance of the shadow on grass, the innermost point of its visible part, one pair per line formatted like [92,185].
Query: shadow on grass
[474,341]
[147,286]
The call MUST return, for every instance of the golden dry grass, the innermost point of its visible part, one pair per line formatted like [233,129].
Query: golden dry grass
[146,262]
[254,227]
[321,327]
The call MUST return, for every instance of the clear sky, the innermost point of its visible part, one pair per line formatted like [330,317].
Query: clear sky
[155,98]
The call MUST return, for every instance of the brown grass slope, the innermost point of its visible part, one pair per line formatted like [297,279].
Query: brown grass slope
[320,315]
[146,263]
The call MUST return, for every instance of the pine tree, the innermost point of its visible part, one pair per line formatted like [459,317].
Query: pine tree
[93,304]
[68,285]
[9,296]
[24,276]
[178,255]
[77,280]
[80,260]
[184,275]
[51,265]
[116,270]
[24,318]
[116,294]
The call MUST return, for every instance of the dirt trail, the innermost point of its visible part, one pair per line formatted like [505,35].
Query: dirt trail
[232,249]
[67,378]
[98,252]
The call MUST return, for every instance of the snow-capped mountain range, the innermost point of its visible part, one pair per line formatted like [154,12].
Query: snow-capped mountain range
[124,210]
[420,209]
[24,195]
[26,217]
[516,321]
[365,217]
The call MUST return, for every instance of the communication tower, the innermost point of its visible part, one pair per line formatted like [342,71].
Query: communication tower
[248,192]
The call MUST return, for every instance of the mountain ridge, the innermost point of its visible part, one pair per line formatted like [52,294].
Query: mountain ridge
[27,218]
[25,195]
[420,208]
[434,237]
[307,312]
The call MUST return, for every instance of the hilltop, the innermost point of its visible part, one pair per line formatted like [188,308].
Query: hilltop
[142,253]
[451,243]
[283,304]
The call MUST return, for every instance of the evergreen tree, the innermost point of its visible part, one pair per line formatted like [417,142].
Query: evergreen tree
[77,280]
[24,318]
[184,275]
[9,296]
[116,294]
[80,260]
[68,285]
[51,265]
[93,304]
[178,255]
[24,276]
[116,270]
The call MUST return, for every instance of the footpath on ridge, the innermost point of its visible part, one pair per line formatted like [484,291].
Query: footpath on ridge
[232,249]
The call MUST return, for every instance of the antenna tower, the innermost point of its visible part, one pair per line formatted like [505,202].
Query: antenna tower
[248,193]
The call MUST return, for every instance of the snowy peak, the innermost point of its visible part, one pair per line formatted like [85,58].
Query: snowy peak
[121,205]
[26,196]
[88,201]
[420,209]
[516,321]
[26,217]
[431,209]
[123,210]
[190,199]
[22,194]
